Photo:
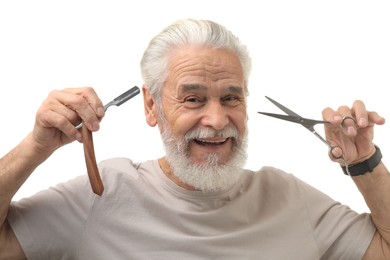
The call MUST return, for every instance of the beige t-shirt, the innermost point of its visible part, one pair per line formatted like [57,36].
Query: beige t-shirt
[269,214]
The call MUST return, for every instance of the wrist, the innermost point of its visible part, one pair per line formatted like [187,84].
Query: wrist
[365,166]
[32,151]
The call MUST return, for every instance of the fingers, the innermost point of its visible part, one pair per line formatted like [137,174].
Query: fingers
[67,108]
[360,112]
[87,97]
[342,118]
[365,117]
[352,117]
[49,118]
[84,104]
[351,129]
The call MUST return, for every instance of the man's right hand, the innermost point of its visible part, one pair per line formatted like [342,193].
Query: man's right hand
[55,126]
[60,113]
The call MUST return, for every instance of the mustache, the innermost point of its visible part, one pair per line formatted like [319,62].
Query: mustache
[207,132]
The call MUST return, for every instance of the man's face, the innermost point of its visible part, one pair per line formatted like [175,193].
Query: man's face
[204,90]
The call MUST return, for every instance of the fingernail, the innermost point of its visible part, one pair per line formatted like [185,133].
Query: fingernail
[351,130]
[95,126]
[100,112]
[78,136]
[362,121]
[336,118]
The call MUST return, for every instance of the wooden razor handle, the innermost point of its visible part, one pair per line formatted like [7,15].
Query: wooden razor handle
[90,160]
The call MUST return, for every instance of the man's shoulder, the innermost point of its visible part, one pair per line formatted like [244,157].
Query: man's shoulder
[272,176]
[121,172]
[123,166]
[119,163]
[272,173]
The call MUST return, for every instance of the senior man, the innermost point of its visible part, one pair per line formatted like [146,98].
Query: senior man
[197,202]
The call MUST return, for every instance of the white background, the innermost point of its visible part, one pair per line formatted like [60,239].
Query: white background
[306,55]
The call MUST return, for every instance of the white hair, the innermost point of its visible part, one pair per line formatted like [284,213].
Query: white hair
[188,32]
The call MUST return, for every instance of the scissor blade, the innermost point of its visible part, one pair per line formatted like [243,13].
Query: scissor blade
[293,119]
[283,108]
[305,122]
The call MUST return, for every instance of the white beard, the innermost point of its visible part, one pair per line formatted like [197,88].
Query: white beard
[212,175]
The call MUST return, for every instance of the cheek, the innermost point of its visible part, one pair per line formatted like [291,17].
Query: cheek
[181,124]
[239,119]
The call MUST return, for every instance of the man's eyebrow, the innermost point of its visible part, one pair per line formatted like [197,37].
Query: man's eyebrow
[235,89]
[191,87]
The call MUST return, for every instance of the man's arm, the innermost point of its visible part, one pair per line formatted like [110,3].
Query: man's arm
[10,247]
[54,127]
[15,168]
[356,141]
[375,188]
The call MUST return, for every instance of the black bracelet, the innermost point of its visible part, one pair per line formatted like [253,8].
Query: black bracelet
[365,166]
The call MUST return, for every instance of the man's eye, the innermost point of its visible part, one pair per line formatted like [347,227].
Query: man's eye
[231,100]
[194,102]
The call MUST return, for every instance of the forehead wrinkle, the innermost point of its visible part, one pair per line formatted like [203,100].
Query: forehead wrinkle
[186,67]
[213,69]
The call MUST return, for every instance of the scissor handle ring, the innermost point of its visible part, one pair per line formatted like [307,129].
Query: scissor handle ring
[345,118]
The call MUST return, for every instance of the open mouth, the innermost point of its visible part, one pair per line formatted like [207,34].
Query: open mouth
[206,142]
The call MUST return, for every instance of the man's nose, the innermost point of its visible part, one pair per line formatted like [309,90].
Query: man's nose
[215,116]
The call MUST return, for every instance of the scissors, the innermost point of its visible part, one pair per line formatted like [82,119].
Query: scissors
[309,125]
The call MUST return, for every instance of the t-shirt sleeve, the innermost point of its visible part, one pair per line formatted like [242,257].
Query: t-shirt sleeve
[51,222]
[340,232]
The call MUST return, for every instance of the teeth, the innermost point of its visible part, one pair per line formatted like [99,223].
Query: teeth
[210,141]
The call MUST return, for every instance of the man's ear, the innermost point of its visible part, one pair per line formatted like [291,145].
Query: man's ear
[149,107]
